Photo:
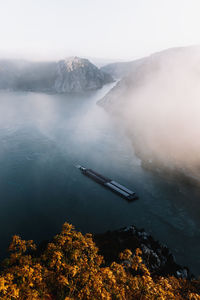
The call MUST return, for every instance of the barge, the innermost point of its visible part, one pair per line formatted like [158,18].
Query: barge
[109,183]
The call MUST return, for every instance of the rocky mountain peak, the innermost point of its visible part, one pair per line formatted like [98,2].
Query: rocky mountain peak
[74,62]
[70,75]
[75,74]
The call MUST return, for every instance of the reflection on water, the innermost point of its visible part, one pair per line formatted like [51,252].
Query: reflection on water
[42,138]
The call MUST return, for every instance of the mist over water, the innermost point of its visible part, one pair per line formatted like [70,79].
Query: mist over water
[43,136]
[161,109]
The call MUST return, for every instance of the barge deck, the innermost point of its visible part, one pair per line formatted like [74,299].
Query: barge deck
[109,183]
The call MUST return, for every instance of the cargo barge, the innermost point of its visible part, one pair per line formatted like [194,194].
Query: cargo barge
[109,183]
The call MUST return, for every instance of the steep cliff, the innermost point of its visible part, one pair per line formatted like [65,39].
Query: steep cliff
[78,75]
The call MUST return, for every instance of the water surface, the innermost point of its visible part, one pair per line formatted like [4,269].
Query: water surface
[43,136]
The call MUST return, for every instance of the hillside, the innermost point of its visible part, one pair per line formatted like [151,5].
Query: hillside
[119,70]
[78,75]
[158,105]
[70,267]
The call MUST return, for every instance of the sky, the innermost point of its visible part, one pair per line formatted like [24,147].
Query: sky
[109,29]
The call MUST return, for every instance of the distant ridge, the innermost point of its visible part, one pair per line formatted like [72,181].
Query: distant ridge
[72,75]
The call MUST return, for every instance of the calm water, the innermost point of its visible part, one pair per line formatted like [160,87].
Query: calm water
[43,136]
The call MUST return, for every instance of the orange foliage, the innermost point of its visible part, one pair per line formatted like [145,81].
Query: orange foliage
[71,268]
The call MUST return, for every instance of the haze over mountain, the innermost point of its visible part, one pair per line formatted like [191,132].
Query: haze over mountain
[78,75]
[158,104]
[121,69]
[72,75]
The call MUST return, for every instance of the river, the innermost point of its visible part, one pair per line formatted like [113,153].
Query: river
[43,136]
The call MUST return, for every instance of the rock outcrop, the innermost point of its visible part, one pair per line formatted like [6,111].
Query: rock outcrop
[156,256]
[77,75]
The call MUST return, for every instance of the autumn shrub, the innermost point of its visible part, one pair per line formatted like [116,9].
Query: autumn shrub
[71,268]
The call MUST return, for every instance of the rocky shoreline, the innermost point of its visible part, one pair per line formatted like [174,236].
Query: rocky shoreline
[157,257]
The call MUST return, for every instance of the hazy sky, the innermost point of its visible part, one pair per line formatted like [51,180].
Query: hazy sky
[116,29]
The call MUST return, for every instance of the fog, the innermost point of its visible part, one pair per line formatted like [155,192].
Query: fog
[69,121]
[44,135]
[160,108]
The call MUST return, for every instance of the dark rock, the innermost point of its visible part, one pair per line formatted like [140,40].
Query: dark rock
[157,257]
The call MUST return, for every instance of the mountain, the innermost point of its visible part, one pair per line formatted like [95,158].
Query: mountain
[78,75]
[24,75]
[65,76]
[157,103]
[120,69]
